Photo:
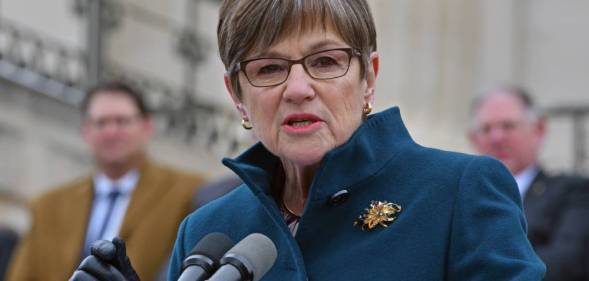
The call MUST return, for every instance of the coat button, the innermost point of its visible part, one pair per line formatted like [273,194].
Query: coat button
[339,197]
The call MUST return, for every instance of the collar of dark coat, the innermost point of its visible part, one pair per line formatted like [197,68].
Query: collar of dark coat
[376,142]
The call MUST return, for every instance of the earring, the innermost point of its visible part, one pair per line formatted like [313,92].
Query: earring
[246,124]
[367,109]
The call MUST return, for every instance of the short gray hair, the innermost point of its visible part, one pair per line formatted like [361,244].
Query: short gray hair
[247,25]
[519,92]
[532,113]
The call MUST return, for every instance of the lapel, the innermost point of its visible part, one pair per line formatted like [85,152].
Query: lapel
[538,186]
[74,225]
[144,197]
[535,194]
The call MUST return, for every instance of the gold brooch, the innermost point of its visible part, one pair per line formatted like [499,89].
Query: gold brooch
[379,213]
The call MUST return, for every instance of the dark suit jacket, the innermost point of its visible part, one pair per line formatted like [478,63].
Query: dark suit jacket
[557,210]
[51,251]
[215,189]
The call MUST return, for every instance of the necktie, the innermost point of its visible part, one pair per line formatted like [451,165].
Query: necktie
[112,199]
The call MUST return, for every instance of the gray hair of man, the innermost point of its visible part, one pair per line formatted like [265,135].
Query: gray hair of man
[532,113]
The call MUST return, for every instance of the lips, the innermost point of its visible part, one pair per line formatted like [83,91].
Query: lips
[301,123]
[300,120]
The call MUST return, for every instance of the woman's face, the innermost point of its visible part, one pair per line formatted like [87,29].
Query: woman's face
[303,118]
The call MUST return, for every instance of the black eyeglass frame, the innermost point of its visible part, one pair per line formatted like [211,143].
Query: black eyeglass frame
[352,52]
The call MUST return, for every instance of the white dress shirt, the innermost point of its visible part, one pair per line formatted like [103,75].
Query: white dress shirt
[103,186]
[524,179]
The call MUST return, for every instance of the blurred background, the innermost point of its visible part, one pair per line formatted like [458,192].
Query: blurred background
[436,55]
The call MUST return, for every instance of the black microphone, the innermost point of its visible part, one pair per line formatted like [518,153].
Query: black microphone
[203,260]
[248,260]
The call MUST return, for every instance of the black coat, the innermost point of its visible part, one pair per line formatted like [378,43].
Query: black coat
[557,210]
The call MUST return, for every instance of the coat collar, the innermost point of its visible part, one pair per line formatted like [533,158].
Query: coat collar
[537,187]
[377,141]
[73,229]
[145,195]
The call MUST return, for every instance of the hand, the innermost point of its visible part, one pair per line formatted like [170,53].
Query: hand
[94,269]
[108,262]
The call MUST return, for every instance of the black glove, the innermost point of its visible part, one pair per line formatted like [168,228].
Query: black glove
[108,262]
[94,269]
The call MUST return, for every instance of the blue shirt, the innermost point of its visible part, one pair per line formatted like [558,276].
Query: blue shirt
[103,185]
[525,178]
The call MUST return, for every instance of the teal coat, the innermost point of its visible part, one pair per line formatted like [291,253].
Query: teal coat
[461,215]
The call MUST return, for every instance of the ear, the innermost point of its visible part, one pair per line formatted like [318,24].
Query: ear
[148,126]
[236,100]
[85,129]
[371,74]
[472,137]
[541,127]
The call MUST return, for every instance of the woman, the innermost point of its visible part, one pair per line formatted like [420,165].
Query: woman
[302,75]
[345,195]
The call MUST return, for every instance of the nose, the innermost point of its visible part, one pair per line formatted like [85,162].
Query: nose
[109,128]
[496,134]
[298,85]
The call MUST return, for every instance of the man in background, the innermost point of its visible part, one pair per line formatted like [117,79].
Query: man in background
[505,125]
[128,195]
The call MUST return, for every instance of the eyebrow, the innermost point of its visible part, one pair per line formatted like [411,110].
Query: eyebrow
[316,47]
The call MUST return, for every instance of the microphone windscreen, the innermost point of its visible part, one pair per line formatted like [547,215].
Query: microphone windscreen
[258,250]
[213,245]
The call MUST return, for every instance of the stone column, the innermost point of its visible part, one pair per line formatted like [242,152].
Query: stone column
[428,65]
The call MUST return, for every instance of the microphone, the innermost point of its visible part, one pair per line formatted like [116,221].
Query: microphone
[203,260]
[248,260]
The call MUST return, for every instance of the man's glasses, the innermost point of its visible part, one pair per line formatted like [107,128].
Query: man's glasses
[505,127]
[327,64]
[118,121]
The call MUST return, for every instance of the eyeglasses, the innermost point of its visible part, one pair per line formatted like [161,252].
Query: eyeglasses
[118,121]
[327,64]
[506,127]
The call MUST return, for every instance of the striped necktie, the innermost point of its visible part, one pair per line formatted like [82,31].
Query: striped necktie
[112,199]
